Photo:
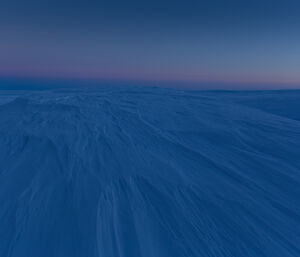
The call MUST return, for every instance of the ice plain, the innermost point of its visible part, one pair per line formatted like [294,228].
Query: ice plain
[149,172]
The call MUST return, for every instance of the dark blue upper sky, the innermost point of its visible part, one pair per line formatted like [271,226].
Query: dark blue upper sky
[247,42]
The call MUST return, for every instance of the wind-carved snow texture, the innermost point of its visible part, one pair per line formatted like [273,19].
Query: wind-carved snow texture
[149,173]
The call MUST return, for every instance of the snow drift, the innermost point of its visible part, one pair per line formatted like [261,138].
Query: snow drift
[149,172]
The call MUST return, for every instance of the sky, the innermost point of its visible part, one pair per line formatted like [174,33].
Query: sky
[242,42]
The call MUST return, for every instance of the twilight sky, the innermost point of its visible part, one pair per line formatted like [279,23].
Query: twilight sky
[203,41]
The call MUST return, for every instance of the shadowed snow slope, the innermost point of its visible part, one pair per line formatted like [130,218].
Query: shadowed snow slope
[149,173]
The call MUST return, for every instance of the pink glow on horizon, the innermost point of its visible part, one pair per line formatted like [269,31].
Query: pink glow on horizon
[208,77]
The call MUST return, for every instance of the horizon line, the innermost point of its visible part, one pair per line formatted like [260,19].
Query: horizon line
[192,83]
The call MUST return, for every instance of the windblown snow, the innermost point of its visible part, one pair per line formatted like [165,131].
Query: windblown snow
[148,172]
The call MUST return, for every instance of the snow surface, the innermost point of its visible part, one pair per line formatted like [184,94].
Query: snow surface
[128,172]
